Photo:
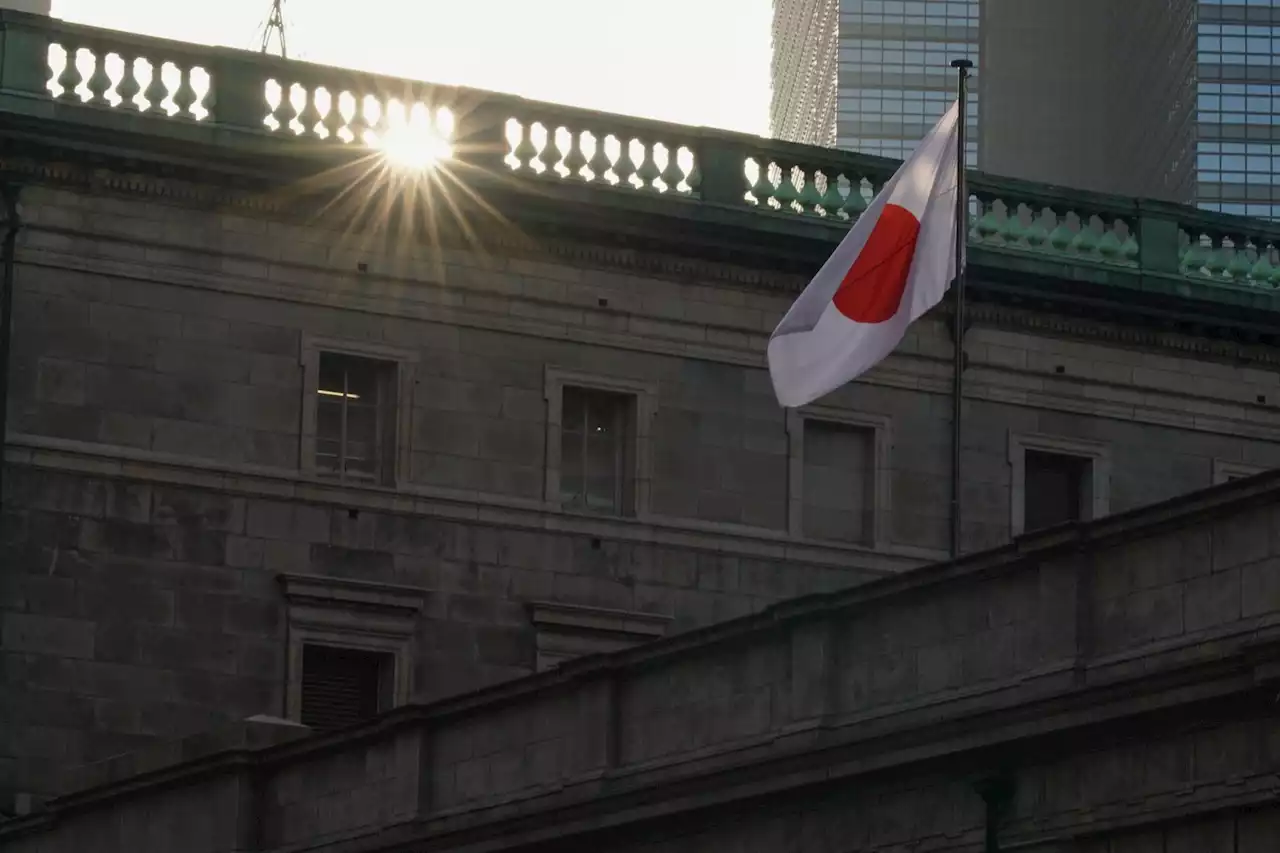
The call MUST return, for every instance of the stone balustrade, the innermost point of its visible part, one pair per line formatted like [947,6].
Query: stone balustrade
[222,96]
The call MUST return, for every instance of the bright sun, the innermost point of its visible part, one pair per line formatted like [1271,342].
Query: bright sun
[419,143]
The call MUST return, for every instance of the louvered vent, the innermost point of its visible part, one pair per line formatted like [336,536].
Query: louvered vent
[342,687]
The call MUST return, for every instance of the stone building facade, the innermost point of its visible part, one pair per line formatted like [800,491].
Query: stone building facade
[1108,686]
[266,457]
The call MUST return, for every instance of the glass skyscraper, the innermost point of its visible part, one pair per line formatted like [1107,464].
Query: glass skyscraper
[1173,99]
[895,78]
[1238,108]
[881,82]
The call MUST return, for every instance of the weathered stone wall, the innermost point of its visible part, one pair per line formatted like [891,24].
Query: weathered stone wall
[137,610]
[154,478]
[1070,663]
[173,331]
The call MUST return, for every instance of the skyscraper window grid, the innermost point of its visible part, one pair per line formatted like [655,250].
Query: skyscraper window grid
[1238,107]
[894,78]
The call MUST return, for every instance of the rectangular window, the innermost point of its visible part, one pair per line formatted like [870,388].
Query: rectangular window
[838,481]
[355,417]
[597,450]
[1054,490]
[343,687]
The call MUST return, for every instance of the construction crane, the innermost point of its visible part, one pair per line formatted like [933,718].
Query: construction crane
[275,26]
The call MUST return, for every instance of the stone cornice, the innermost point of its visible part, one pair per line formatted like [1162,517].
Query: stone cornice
[1089,329]
[773,265]
[322,591]
[905,370]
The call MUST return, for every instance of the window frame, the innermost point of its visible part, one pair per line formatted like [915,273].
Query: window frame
[636,501]
[403,363]
[566,632]
[1093,505]
[346,614]
[881,491]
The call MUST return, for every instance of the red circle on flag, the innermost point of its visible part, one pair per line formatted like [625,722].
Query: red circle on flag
[871,291]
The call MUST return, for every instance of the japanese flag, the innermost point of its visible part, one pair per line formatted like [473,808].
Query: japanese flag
[895,264]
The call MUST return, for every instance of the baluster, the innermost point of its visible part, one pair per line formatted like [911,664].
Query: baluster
[599,163]
[624,167]
[763,189]
[1262,269]
[832,202]
[359,123]
[99,82]
[987,227]
[382,126]
[788,193]
[333,122]
[694,178]
[1086,240]
[575,161]
[285,112]
[525,150]
[128,89]
[1035,234]
[672,174]
[550,155]
[70,78]
[185,98]
[1129,250]
[1195,255]
[648,171]
[855,202]
[156,90]
[1239,264]
[1011,230]
[1109,246]
[309,118]
[1216,263]
[1061,236]
[810,198]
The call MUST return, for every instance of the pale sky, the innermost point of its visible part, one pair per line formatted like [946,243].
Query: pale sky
[687,61]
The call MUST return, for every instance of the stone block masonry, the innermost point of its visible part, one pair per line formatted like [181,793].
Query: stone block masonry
[134,611]
[158,483]
[1066,665]
[187,363]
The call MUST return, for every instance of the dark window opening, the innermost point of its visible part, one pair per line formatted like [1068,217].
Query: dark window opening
[1054,489]
[838,481]
[596,450]
[355,418]
[343,687]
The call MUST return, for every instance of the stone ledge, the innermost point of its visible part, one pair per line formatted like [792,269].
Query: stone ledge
[249,735]
[578,617]
[340,592]
[569,631]
[740,540]
[761,765]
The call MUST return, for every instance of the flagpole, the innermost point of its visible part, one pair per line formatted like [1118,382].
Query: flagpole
[962,67]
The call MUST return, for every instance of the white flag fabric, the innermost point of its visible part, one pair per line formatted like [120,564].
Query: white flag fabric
[895,264]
